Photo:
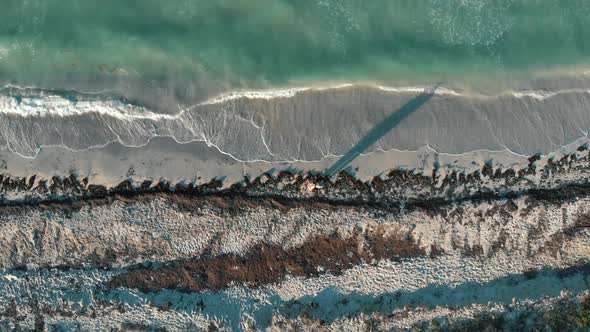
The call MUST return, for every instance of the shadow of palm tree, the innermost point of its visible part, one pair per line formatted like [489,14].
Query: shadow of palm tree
[379,131]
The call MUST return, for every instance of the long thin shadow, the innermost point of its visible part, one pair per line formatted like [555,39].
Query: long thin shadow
[331,304]
[379,131]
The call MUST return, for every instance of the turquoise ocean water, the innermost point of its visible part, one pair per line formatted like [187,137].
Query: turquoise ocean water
[224,44]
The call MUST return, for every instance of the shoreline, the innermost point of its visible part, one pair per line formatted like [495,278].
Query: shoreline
[195,164]
[290,91]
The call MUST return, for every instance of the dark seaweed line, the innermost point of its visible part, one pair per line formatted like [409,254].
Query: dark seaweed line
[554,195]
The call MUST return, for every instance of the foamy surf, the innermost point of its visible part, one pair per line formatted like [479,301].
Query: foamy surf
[437,90]
[53,105]
[270,93]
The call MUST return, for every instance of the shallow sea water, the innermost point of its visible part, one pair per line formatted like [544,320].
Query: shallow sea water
[187,49]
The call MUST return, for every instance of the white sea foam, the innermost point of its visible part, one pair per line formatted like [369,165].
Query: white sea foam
[269,94]
[53,105]
[442,91]
[535,94]
[262,94]
[539,95]
[419,89]
[402,89]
